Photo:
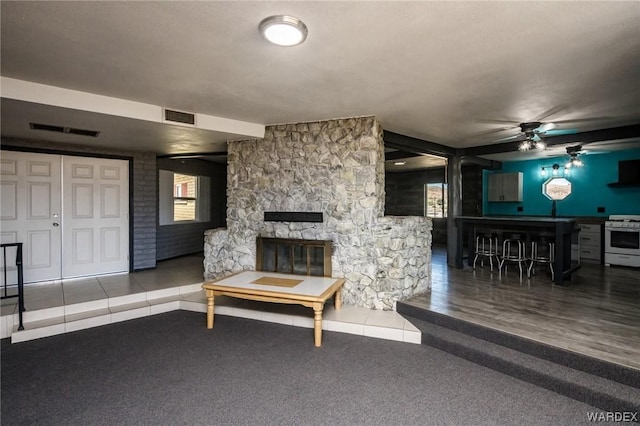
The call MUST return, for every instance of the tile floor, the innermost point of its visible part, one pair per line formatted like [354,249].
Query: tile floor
[70,305]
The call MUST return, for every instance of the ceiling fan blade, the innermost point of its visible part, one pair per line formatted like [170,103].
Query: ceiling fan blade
[513,138]
[551,111]
[555,132]
[495,131]
[580,120]
[510,123]
[558,132]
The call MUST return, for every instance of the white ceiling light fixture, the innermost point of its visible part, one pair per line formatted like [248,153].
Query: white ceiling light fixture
[574,161]
[540,145]
[283,30]
[525,145]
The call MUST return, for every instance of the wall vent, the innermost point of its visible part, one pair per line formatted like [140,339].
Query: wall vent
[62,129]
[181,117]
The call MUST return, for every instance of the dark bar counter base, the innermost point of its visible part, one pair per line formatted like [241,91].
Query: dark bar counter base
[564,230]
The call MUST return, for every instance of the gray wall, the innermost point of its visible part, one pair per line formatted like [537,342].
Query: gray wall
[405,191]
[405,194]
[186,238]
[144,186]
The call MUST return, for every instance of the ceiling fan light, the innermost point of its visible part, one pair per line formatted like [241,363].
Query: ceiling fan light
[283,30]
[525,145]
[541,146]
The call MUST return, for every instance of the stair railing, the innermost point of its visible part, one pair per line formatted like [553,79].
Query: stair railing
[20,279]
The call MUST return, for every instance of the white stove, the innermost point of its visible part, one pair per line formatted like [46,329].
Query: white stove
[622,240]
[623,221]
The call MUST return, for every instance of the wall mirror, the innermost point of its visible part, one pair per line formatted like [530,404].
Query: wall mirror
[556,188]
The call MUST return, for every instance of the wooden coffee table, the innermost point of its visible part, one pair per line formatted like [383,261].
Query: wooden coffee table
[306,290]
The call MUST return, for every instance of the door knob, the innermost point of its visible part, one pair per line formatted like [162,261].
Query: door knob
[56,224]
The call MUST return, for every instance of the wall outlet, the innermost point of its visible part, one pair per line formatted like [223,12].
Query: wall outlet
[600,209]
[520,208]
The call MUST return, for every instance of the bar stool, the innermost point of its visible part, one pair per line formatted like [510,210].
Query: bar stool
[543,250]
[514,250]
[486,246]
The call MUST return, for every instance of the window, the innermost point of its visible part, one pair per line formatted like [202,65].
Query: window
[183,198]
[435,200]
[556,188]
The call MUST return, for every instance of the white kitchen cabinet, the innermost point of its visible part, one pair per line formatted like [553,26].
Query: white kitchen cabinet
[504,187]
[590,242]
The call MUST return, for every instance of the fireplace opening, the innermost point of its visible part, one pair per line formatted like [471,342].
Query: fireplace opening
[294,256]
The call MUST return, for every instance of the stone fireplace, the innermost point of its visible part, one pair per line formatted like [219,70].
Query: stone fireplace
[335,168]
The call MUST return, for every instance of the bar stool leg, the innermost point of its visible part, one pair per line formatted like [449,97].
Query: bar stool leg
[504,256]
[491,251]
[477,252]
[520,256]
[552,258]
[534,256]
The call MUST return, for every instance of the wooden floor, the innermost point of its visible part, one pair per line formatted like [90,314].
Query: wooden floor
[597,313]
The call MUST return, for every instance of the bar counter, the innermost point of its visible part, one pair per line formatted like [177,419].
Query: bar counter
[562,228]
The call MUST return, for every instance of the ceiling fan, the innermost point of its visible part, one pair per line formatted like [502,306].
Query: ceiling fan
[533,134]
[573,152]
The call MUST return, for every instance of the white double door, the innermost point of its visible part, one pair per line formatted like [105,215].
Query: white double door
[70,213]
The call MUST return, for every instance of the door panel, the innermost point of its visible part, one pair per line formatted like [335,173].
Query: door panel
[96,227]
[82,201]
[9,200]
[31,205]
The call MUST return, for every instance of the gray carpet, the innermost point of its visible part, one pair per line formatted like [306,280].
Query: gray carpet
[169,369]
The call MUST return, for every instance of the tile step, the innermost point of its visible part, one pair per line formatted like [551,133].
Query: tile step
[401,330]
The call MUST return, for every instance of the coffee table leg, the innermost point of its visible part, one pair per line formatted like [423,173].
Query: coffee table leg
[317,323]
[210,305]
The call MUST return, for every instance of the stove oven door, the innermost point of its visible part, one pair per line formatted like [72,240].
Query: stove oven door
[622,240]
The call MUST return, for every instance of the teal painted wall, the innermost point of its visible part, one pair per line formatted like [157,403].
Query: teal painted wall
[588,185]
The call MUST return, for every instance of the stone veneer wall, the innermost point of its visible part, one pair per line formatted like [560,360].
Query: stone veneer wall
[335,167]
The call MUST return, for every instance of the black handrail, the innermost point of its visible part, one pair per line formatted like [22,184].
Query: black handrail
[20,283]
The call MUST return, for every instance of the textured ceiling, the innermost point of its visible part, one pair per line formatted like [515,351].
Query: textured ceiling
[461,74]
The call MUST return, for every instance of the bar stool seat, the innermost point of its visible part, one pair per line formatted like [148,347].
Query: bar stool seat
[486,247]
[514,250]
[543,250]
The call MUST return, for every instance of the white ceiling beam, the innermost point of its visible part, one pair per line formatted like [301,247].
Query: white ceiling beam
[27,91]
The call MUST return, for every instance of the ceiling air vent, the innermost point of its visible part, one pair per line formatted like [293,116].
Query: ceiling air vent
[181,117]
[62,129]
